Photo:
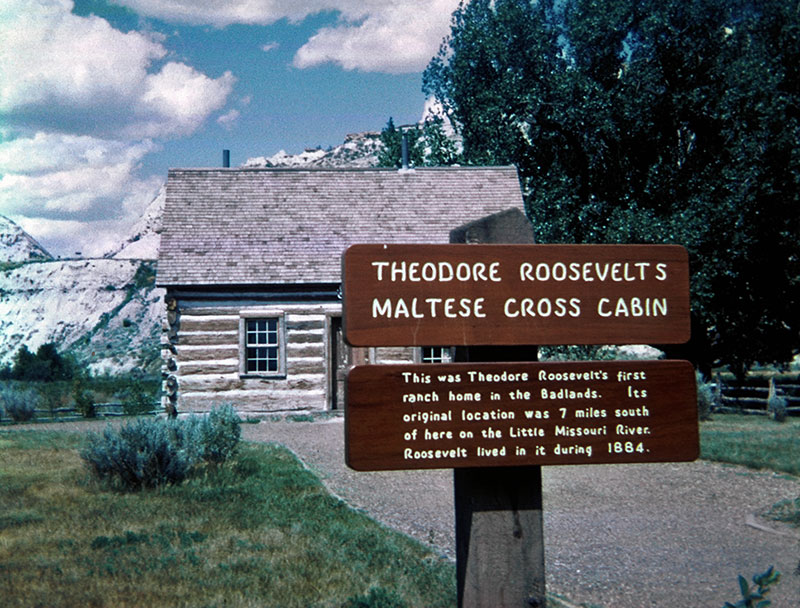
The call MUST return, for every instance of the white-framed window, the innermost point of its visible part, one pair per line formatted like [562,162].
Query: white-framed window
[262,346]
[435,354]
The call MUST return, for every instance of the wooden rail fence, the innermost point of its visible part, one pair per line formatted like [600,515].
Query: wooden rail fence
[102,410]
[750,396]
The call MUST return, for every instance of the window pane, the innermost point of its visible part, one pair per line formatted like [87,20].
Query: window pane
[262,345]
[272,359]
[435,354]
[252,361]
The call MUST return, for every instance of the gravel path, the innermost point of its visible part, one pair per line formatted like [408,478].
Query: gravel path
[616,536]
[621,536]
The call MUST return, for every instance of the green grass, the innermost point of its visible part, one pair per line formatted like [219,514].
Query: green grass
[261,531]
[759,443]
[752,441]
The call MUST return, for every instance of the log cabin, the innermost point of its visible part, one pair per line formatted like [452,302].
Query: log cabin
[251,262]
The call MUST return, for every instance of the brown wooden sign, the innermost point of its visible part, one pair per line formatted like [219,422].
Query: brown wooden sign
[512,414]
[449,295]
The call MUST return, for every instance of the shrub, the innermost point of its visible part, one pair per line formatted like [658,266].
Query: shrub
[137,399]
[19,404]
[148,453]
[754,597]
[787,510]
[214,438]
[6,372]
[84,401]
[140,454]
[705,398]
[576,353]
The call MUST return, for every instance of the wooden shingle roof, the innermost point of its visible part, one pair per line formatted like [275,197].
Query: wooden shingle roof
[283,226]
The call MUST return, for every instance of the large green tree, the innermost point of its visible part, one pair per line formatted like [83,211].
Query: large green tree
[46,365]
[651,121]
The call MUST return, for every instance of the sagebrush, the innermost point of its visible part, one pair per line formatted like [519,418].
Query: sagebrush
[214,438]
[19,404]
[148,452]
[141,454]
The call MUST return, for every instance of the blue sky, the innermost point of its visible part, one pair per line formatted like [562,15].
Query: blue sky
[99,98]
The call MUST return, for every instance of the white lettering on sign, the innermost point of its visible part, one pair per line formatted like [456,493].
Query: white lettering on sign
[633,307]
[617,272]
[580,431]
[504,376]
[444,272]
[421,397]
[419,308]
[521,413]
[410,454]
[570,450]
[543,307]
[429,272]
[404,295]
[573,376]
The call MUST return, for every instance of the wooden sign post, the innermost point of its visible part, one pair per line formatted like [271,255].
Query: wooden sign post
[496,423]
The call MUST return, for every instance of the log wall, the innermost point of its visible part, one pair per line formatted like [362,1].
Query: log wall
[201,358]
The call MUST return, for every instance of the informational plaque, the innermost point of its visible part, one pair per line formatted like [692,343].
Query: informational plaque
[451,295]
[511,414]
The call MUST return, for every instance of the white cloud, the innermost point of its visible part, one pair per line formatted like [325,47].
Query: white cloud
[65,238]
[51,175]
[81,105]
[399,38]
[270,46]
[373,35]
[228,119]
[74,192]
[178,98]
[47,152]
[62,71]
[221,13]
[49,54]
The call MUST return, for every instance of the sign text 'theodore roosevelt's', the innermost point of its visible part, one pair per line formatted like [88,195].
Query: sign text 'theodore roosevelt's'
[495,294]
